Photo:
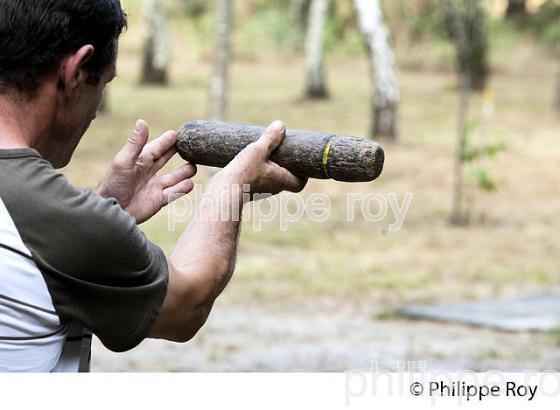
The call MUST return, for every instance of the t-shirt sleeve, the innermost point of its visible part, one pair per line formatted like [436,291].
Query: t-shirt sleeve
[99,267]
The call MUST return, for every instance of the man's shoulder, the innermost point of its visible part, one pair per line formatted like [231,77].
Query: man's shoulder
[61,222]
[26,176]
[33,190]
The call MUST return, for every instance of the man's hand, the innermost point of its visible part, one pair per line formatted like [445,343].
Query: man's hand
[133,181]
[252,165]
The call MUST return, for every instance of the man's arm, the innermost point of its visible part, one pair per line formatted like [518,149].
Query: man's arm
[199,268]
[204,258]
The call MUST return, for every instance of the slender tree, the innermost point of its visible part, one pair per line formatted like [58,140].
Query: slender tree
[385,78]
[476,32]
[557,93]
[459,33]
[156,44]
[469,15]
[222,55]
[315,50]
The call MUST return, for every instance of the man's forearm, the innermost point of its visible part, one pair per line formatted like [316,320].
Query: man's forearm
[201,265]
[205,254]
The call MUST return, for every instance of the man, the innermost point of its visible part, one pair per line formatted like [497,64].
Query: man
[73,262]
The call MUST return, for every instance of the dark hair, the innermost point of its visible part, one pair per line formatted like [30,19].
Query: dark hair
[36,34]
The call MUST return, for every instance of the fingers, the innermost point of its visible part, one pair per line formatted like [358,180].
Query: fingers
[272,137]
[135,144]
[178,176]
[287,180]
[164,159]
[177,183]
[177,191]
[161,145]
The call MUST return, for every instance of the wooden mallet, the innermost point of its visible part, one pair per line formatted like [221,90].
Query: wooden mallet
[304,153]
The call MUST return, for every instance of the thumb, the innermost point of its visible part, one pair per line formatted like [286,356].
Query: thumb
[136,142]
[272,137]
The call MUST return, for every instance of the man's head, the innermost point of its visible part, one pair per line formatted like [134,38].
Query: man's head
[61,54]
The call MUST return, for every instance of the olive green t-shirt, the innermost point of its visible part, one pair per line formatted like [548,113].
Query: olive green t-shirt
[69,260]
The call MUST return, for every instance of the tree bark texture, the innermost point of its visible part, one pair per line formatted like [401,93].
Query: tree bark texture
[219,82]
[156,45]
[315,50]
[304,153]
[472,54]
[385,78]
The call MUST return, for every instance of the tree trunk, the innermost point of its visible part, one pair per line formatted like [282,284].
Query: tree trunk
[473,54]
[385,78]
[476,29]
[458,28]
[557,93]
[156,45]
[458,214]
[516,8]
[315,50]
[222,54]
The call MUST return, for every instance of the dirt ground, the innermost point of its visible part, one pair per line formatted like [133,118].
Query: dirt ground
[248,338]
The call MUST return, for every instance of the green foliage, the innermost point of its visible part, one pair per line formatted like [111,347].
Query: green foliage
[483,179]
[468,132]
[339,36]
[474,154]
[551,35]
[545,24]
[490,151]
[270,27]
[503,38]
[262,5]
[196,8]
[334,30]
[427,21]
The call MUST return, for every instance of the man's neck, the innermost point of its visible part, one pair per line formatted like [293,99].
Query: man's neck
[12,134]
[22,122]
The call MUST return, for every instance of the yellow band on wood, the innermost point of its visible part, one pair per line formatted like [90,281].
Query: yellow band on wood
[326,158]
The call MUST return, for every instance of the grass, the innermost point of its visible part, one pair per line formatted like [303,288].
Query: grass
[511,247]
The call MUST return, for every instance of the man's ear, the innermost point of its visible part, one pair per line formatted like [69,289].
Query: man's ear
[72,72]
